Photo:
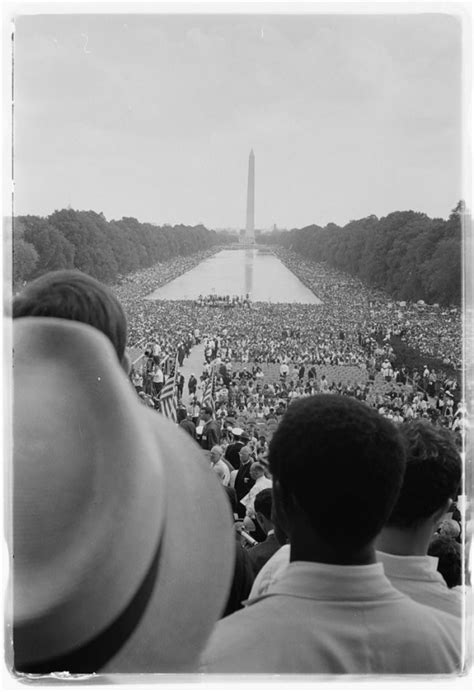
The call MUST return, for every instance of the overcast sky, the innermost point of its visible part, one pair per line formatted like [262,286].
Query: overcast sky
[153,116]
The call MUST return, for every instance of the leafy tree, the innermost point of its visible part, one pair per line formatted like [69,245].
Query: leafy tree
[25,256]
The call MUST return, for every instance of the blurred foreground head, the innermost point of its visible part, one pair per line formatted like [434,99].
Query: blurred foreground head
[337,468]
[72,295]
[121,537]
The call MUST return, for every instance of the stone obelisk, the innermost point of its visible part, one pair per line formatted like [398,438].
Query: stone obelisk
[250,225]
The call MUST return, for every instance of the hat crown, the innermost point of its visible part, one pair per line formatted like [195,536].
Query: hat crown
[82,459]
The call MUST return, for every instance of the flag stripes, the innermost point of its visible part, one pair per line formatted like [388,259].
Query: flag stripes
[208,397]
[168,399]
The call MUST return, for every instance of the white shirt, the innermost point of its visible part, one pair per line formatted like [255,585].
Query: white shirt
[249,499]
[222,471]
[334,619]
[417,576]
[270,572]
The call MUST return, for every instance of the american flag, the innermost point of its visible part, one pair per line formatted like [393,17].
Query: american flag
[168,399]
[208,397]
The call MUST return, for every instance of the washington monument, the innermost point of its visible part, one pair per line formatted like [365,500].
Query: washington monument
[250,225]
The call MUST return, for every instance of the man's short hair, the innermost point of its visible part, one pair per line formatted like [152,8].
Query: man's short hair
[257,466]
[432,475]
[263,503]
[70,294]
[341,463]
[207,409]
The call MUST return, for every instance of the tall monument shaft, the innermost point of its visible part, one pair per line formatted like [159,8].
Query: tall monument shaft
[250,225]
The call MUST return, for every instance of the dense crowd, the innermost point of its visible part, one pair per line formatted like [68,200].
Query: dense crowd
[334,548]
[272,354]
[215,300]
[432,330]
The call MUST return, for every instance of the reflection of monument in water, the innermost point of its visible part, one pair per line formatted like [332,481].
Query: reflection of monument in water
[248,284]
[249,237]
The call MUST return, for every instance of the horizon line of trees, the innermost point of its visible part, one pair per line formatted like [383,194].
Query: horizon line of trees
[407,254]
[85,240]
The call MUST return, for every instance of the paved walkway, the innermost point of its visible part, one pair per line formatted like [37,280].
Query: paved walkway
[193,364]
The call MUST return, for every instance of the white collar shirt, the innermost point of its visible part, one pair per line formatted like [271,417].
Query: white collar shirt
[332,619]
[417,576]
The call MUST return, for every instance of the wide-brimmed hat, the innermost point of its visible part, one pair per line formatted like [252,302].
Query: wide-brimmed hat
[121,535]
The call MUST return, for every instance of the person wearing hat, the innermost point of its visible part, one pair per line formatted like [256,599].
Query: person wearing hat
[211,434]
[120,540]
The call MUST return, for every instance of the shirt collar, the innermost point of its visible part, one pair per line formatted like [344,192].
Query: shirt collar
[318,581]
[413,567]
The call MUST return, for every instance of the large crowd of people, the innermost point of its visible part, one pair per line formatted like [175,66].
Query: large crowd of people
[303,516]
[272,354]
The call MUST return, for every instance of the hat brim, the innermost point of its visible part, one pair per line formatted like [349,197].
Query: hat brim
[170,498]
[196,563]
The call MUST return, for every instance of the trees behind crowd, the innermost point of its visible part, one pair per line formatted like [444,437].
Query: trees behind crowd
[104,249]
[407,254]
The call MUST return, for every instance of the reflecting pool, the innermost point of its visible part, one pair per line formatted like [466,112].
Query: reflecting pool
[238,272]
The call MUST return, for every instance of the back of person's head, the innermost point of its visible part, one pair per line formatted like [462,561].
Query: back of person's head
[432,475]
[448,552]
[338,464]
[72,295]
[450,528]
[257,470]
[263,503]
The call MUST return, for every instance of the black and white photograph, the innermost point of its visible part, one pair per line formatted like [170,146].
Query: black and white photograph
[237,297]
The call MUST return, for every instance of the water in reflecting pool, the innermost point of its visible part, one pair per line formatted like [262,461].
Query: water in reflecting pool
[238,272]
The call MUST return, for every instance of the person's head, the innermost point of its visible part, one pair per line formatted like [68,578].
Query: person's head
[450,528]
[256,470]
[432,475]
[448,552]
[215,454]
[263,509]
[206,413]
[72,295]
[337,467]
[244,455]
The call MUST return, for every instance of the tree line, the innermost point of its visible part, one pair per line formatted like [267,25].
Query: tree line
[409,255]
[85,240]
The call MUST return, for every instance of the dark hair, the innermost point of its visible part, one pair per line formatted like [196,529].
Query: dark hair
[448,552]
[342,463]
[72,295]
[432,475]
[263,503]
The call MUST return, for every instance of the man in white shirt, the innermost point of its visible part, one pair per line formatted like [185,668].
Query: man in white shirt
[430,484]
[257,473]
[218,465]
[337,468]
